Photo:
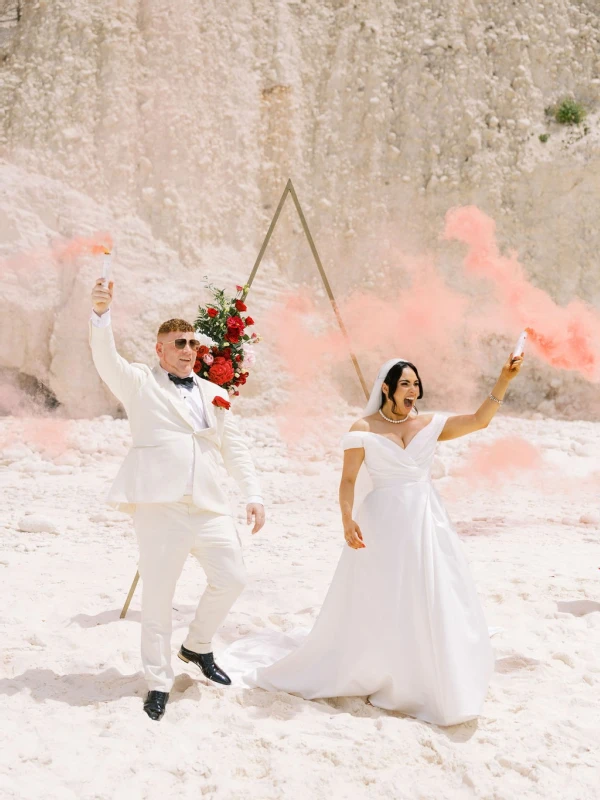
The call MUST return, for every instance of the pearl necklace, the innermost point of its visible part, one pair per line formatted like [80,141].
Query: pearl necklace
[394,421]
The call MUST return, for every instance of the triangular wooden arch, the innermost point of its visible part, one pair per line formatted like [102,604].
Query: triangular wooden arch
[289,190]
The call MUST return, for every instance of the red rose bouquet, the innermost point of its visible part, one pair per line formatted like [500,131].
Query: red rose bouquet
[226,351]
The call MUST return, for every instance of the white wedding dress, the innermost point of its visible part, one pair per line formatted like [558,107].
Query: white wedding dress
[401,623]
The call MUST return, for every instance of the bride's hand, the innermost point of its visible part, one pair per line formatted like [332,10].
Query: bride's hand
[512,367]
[353,536]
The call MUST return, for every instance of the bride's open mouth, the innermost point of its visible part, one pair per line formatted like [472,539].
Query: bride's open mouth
[408,403]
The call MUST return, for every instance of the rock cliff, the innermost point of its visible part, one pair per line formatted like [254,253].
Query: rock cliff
[175,125]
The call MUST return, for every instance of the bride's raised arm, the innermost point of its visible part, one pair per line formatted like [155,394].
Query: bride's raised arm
[463,424]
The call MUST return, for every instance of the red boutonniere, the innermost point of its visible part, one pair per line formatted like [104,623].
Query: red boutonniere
[220,402]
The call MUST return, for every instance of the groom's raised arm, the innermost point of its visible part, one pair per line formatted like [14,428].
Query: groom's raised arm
[121,377]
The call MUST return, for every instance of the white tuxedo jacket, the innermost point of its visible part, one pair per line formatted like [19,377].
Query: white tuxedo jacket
[165,444]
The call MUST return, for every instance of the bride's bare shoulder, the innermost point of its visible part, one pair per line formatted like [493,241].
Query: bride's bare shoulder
[360,425]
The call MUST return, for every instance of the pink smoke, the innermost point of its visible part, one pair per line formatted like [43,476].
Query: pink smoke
[67,250]
[444,331]
[47,436]
[422,323]
[81,245]
[518,468]
[565,337]
[501,461]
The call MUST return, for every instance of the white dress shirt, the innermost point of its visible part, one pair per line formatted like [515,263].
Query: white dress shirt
[190,395]
[193,399]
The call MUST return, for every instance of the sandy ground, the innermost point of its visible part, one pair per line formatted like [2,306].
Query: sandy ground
[71,683]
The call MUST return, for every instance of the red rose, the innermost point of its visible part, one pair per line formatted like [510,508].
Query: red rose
[249,321]
[202,351]
[220,402]
[232,336]
[235,324]
[240,306]
[212,312]
[221,371]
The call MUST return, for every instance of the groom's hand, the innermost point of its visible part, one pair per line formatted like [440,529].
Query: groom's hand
[255,511]
[102,296]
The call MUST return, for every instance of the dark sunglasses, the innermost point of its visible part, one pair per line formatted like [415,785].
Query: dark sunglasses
[181,343]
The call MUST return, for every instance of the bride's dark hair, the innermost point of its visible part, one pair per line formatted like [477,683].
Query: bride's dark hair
[391,381]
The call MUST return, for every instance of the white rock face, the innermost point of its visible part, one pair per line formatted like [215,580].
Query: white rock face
[175,128]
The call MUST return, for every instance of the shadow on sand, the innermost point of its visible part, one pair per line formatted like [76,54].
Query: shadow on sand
[578,608]
[76,689]
[112,615]
[86,688]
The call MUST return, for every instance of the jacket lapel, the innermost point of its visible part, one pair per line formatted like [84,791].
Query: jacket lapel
[170,391]
[209,409]
[214,416]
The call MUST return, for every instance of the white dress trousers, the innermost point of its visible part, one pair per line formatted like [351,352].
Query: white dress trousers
[166,534]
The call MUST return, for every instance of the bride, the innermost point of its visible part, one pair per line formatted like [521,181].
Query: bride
[401,622]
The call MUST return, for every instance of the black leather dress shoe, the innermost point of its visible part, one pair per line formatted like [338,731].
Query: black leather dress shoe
[156,704]
[206,662]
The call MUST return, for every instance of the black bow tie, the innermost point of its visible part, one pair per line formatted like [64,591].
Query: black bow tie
[189,382]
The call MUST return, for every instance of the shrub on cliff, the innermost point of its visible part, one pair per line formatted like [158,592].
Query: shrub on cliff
[567,112]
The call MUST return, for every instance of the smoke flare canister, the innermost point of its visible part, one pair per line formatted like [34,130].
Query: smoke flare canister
[520,346]
[106,265]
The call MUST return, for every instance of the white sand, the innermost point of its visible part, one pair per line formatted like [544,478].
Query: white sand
[72,688]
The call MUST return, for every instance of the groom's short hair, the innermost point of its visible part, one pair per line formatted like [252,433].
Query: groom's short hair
[175,325]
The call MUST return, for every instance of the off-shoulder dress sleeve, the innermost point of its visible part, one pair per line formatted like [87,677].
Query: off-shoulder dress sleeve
[353,440]
[437,424]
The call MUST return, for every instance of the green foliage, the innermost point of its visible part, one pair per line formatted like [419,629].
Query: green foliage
[569,112]
[216,327]
[544,137]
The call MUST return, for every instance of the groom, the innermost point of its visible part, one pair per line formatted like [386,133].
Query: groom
[170,482]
